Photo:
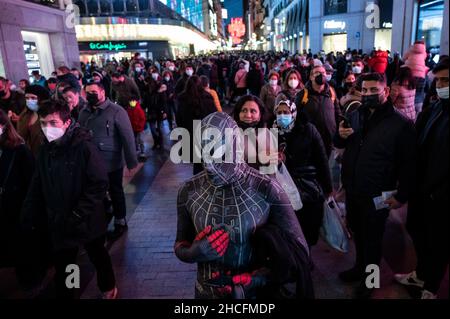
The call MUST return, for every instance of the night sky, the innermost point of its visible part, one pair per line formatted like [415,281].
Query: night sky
[235,8]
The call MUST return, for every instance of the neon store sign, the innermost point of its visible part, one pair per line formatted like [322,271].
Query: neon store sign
[236,30]
[107,46]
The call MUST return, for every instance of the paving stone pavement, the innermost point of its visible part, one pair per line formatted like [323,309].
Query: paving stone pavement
[144,263]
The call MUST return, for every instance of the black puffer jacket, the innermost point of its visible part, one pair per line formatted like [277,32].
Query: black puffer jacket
[70,181]
[380,155]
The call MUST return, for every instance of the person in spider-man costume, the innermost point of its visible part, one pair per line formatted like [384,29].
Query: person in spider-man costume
[219,210]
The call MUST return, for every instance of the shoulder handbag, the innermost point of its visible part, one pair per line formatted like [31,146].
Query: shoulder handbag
[306,181]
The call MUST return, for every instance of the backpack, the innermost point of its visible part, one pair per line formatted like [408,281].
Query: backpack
[305,98]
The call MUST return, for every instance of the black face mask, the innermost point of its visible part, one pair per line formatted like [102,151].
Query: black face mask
[349,85]
[2,93]
[319,79]
[371,101]
[245,126]
[92,99]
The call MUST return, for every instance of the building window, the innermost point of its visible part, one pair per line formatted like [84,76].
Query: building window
[429,26]
[81,6]
[92,6]
[132,6]
[105,7]
[143,5]
[118,5]
[335,7]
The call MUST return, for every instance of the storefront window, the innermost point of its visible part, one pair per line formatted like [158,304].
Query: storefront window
[38,54]
[2,68]
[335,7]
[383,39]
[429,26]
[334,43]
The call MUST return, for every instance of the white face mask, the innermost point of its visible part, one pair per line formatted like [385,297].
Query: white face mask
[189,72]
[442,93]
[1,131]
[273,82]
[53,133]
[155,76]
[171,68]
[138,69]
[167,78]
[328,77]
[357,69]
[293,84]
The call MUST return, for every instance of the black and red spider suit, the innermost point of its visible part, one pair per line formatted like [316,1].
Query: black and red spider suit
[219,210]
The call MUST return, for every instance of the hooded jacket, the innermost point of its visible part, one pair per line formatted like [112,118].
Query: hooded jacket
[379,62]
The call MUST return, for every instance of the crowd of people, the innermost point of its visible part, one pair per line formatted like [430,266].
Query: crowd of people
[65,140]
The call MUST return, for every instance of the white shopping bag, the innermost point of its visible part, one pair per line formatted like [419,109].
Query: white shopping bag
[333,230]
[284,178]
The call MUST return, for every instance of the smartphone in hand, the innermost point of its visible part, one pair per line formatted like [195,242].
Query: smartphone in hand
[343,118]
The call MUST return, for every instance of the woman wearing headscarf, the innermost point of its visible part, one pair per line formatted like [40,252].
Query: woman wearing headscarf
[302,150]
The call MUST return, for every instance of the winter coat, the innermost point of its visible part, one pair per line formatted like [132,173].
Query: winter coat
[216,99]
[255,80]
[403,100]
[137,118]
[126,92]
[181,84]
[156,105]
[415,60]
[322,112]
[380,155]
[19,161]
[15,103]
[379,62]
[111,133]
[70,181]
[240,79]
[304,147]
[432,168]
[268,97]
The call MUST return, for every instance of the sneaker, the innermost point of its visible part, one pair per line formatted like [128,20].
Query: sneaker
[352,275]
[118,231]
[112,294]
[409,279]
[428,295]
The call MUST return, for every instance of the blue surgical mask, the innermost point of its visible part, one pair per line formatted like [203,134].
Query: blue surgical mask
[33,105]
[284,120]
